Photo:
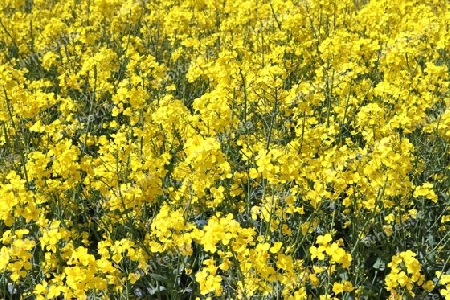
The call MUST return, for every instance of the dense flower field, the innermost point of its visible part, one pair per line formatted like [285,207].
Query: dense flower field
[206,149]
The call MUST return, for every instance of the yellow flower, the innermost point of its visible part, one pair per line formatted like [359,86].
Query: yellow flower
[4,257]
[276,247]
[317,252]
[425,190]
[324,239]
[133,277]
[314,280]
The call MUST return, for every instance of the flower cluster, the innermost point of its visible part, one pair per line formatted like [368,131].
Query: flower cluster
[236,149]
